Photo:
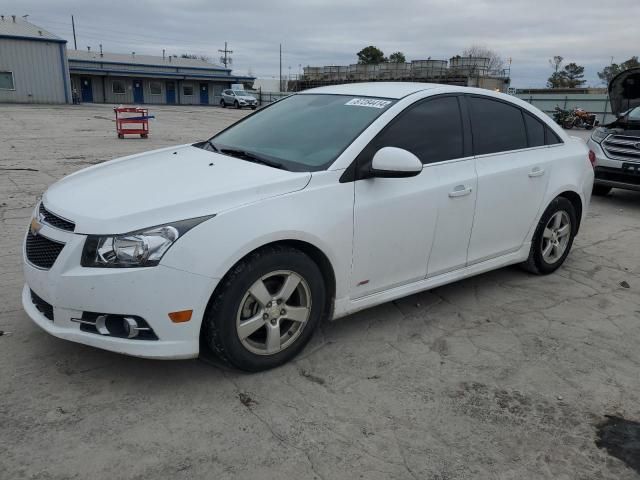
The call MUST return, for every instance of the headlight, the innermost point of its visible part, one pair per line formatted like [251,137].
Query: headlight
[599,134]
[142,248]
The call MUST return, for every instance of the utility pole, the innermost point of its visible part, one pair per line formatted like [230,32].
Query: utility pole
[73,27]
[226,60]
[280,67]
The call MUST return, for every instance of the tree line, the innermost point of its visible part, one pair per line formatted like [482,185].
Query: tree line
[570,75]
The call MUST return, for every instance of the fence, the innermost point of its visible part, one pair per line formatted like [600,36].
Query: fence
[597,103]
[265,98]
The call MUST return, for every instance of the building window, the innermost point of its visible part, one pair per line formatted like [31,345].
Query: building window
[155,88]
[187,90]
[6,81]
[118,87]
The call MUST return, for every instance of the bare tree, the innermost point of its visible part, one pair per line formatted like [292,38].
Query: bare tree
[496,62]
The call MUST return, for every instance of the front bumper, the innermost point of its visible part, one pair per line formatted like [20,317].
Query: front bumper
[609,172]
[150,293]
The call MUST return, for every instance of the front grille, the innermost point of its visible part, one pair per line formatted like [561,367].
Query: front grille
[55,221]
[43,307]
[616,175]
[41,251]
[622,147]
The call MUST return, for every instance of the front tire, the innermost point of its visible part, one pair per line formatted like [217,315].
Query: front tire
[237,105]
[600,190]
[266,309]
[553,237]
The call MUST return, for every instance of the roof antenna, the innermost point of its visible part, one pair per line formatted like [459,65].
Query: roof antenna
[88,48]
[101,50]
[14,18]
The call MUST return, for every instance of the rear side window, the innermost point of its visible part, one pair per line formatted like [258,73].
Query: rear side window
[497,126]
[535,130]
[551,138]
[431,130]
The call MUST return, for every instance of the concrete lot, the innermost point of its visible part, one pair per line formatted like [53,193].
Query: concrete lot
[505,375]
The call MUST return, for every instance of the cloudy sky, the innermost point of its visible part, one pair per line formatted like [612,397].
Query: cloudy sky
[330,32]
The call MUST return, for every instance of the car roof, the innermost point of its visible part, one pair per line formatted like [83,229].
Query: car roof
[375,89]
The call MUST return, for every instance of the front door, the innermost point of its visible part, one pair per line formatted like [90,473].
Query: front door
[400,224]
[510,167]
[138,91]
[171,92]
[85,89]
[204,94]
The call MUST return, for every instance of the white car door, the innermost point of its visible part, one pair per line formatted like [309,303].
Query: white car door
[513,172]
[400,222]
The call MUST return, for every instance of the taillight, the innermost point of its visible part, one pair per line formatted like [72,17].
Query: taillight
[592,158]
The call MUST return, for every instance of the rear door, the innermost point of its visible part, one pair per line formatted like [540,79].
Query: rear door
[513,172]
[400,223]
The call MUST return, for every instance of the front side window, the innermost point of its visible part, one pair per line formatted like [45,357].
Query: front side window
[6,81]
[118,87]
[239,93]
[155,88]
[497,126]
[431,130]
[187,90]
[304,132]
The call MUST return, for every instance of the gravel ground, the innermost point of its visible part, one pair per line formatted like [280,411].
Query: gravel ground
[505,375]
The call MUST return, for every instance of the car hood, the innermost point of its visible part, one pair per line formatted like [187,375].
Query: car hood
[624,91]
[163,186]
[246,97]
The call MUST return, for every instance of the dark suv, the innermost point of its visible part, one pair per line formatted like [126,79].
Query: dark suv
[616,146]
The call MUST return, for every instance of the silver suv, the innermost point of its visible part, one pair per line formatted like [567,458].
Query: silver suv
[615,147]
[238,98]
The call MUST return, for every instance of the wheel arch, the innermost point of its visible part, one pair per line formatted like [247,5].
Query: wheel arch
[576,201]
[312,251]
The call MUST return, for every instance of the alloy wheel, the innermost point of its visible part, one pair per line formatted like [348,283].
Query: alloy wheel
[273,312]
[555,237]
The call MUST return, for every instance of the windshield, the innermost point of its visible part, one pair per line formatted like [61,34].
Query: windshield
[304,132]
[633,115]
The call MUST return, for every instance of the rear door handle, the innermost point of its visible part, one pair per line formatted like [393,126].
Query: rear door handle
[536,172]
[460,191]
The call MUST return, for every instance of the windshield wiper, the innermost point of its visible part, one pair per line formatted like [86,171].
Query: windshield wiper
[250,157]
[212,145]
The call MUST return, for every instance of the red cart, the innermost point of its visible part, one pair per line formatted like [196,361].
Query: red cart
[139,124]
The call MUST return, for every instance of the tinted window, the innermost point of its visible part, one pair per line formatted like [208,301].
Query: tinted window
[535,130]
[551,137]
[304,132]
[497,126]
[431,130]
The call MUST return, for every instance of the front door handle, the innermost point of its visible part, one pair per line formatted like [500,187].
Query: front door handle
[536,172]
[460,191]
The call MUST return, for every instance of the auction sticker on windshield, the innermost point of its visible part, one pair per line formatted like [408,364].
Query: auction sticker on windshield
[368,102]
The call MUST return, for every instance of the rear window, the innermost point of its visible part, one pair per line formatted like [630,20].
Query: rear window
[497,126]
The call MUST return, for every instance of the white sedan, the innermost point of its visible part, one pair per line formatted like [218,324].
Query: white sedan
[325,203]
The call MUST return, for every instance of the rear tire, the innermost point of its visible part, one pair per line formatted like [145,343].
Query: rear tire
[553,237]
[253,323]
[600,190]
[223,104]
[568,124]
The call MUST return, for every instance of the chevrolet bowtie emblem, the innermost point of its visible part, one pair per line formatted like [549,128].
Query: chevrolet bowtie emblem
[35,226]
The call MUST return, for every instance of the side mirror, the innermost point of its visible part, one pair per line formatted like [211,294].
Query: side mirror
[392,162]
